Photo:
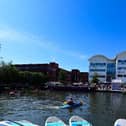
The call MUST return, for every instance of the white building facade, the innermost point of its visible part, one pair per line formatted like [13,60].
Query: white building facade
[107,69]
[98,67]
[121,66]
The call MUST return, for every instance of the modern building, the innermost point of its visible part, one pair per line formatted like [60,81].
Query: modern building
[116,84]
[107,69]
[121,66]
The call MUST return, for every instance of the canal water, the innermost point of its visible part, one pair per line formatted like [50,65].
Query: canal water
[101,109]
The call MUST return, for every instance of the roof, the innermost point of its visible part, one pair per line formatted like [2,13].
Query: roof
[102,56]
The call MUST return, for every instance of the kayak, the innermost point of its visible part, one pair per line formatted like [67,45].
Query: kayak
[67,106]
[54,121]
[78,121]
[120,122]
[16,123]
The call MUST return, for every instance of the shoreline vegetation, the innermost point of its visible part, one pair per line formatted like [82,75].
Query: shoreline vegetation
[13,80]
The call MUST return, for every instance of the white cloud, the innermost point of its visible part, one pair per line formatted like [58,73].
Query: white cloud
[11,35]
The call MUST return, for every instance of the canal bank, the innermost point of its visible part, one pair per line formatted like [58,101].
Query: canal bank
[84,89]
[72,88]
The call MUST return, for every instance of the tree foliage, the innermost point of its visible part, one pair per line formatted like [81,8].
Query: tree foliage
[95,79]
[10,75]
[62,76]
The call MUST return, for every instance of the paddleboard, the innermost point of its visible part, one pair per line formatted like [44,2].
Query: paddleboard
[54,121]
[78,121]
[8,123]
[25,123]
[120,122]
[16,123]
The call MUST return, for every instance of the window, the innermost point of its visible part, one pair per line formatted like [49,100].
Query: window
[97,64]
[119,75]
[122,61]
[97,70]
[121,68]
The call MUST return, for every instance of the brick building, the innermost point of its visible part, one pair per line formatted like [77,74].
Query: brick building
[75,75]
[52,70]
[84,77]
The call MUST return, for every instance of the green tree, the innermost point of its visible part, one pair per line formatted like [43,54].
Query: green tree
[8,73]
[34,79]
[37,79]
[95,79]
[62,76]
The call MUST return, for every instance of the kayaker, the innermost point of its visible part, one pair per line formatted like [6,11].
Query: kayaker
[70,101]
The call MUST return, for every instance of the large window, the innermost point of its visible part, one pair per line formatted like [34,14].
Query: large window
[97,70]
[97,64]
[99,76]
[111,68]
[121,68]
[121,75]
[122,61]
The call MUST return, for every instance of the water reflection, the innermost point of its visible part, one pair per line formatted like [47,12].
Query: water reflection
[99,108]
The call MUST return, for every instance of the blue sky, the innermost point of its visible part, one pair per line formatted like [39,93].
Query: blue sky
[68,32]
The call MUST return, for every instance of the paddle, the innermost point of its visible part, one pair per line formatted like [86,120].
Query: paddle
[81,101]
[65,102]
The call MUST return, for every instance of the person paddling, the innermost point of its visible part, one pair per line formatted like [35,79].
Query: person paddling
[70,101]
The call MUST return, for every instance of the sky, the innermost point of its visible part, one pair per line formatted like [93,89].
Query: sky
[68,32]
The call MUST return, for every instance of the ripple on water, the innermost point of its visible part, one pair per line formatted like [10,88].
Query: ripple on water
[99,108]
